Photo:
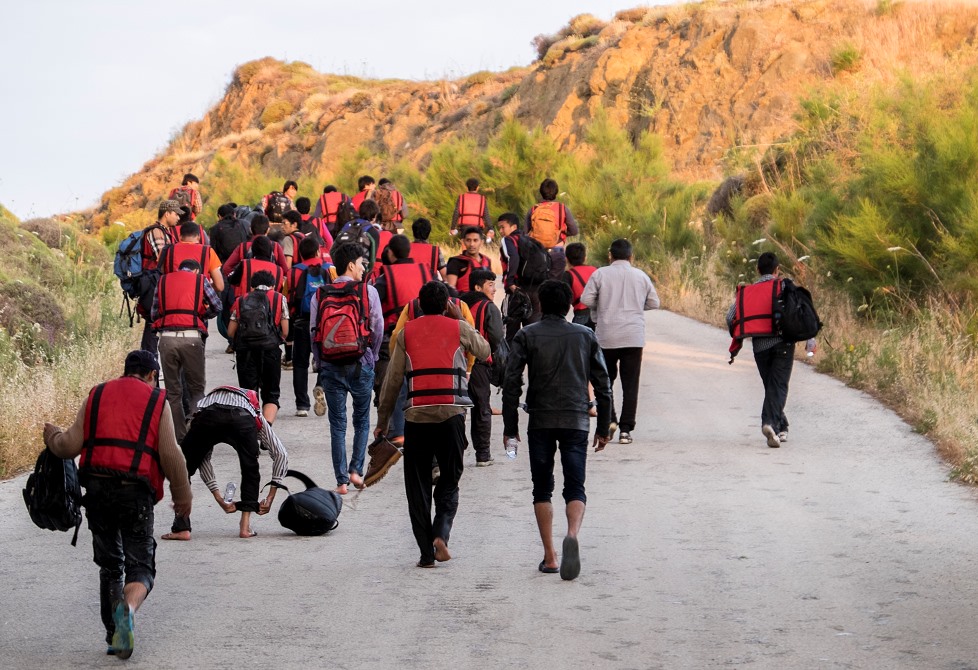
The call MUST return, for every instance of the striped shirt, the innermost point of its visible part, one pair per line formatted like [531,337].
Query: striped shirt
[267,439]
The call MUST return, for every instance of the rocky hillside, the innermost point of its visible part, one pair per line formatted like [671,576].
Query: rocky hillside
[716,80]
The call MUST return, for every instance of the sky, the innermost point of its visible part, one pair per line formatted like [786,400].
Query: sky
[94,89]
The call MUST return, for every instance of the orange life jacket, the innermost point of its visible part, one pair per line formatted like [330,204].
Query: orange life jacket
[174,254]
[122,424]
[180,296]
[462,284]
[436,365]
[754,313]
[249,267]
[471,210]
[329,205]
[579,276]
[404,282]
[426,254]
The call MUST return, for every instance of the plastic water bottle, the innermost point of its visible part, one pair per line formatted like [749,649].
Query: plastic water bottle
[229,492]
[511,445]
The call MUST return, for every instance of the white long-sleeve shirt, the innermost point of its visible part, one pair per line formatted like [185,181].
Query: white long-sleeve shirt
[618,296]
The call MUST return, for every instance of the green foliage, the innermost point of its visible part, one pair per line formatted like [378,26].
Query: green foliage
[845,59]
[276,111]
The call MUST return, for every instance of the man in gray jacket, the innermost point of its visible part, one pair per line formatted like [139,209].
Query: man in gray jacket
[619,295]
[562,357]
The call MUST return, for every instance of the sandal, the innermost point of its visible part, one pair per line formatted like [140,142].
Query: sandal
[543,568]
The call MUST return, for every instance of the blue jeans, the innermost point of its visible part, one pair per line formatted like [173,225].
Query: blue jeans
[337,381]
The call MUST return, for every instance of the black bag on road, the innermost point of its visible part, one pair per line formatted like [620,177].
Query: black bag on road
[53,494]
[310,512]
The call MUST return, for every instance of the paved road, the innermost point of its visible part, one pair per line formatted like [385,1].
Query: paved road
[701,548]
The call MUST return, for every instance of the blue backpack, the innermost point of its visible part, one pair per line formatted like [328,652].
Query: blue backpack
[316,276]
[128,266]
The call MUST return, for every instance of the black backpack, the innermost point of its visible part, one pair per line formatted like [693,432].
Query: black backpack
[276,206]
[500,357]
[534,266]
[256,323]
[310,512]
[518,306]
[796,317]
[53,495]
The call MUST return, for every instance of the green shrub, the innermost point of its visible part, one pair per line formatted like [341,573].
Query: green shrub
[275,112]
[845,59]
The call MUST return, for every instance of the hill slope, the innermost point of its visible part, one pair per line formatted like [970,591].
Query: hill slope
[710,79]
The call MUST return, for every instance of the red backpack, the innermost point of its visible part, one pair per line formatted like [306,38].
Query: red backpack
[343,323]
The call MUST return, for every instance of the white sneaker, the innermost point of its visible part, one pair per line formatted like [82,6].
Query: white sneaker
[783,436]
[320,397]
[302,412]
[772,437]
[625,437]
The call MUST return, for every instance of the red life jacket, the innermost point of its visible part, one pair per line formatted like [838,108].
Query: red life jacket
[479,311]
[358,200]
[426,254]
[245,248]
[404,282]
[122,425]
[150,261]
[754,313]
[180,296]
[249,267]
[174,254]
[462,283]
[329,205]
[436,365]
[254,405]
[385,237]
[579,276]
[471,210]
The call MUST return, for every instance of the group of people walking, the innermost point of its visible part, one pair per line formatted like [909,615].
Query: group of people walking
[380,316]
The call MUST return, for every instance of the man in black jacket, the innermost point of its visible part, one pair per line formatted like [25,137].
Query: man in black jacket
[229,232]
[489,323]
[563,358]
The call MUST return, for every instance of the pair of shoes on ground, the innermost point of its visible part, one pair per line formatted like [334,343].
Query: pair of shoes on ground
[773,439]
[319,396]
[123,639]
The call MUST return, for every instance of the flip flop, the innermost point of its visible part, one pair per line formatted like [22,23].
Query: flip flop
[254,533]
[426,565]
[570,559]
[543,568]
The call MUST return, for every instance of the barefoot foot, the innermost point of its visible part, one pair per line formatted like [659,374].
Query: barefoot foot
[182,535]
[441,550]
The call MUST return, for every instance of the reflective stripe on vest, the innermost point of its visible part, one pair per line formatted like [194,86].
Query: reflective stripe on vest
[329,205]
[471,210]
[479,311]
[404,282]
[754,310]
[436,367]
[122,423]
[462,283]
[579,276]
[172,256]
[249,267]
[180,300]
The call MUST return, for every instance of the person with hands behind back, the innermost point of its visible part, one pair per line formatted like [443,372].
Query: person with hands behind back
[562,358]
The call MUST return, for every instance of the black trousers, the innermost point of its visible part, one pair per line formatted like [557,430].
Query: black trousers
[627,361]
[301,351]
[120,516]
[230,425]
[261,370]
[480,391]
[774,366]
[422,442]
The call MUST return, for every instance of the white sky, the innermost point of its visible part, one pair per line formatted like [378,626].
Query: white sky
[92,89]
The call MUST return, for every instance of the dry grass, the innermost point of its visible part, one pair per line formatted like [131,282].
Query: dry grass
[33,395]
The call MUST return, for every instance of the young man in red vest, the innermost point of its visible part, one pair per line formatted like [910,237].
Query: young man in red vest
[155,238]
[460,267]
[543,216]
[232,415]
[190,248]
[752,315]
[472,209]
[259,228]
[261,260]
[259,325]
[365,189]
[122,469]
[576,277]
[423,251]
[328,207]
[430,354]
[184,302]
[489,324]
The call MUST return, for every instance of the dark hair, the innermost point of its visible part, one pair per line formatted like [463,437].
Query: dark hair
[329,189]
[189,178]
[140,362]
[308,248]
[190,264]
[347,253]
[289,184]
[468,230]
[767,263]
[510,218]
[189,229]
[576,253]
[369,210]
[400,246]
[555,297]
[479,277]
[621,249]
[421,229]
[262,278]
[383,180]
[261,248]
[276,235]
[185,214]
[293,216]
[549,189]
[259,224]
[303,205]
[433,297]
[472,184]
[226,211]
[364,181]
